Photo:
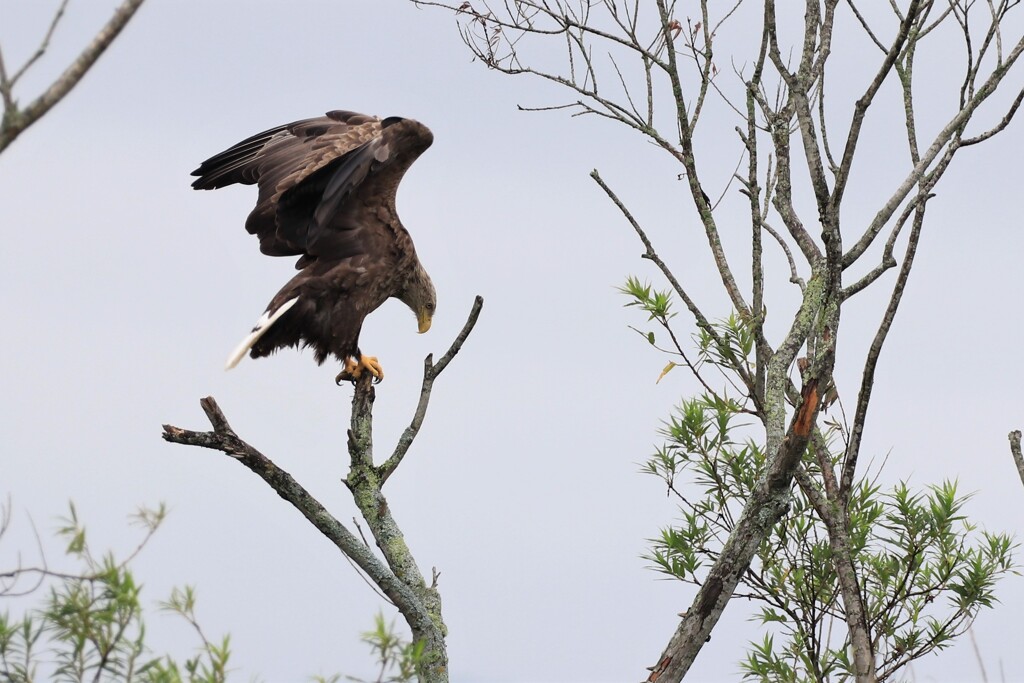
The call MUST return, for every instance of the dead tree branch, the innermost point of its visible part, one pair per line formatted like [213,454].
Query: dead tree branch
[430,373]
[16,119]
[224,439]
[397,576]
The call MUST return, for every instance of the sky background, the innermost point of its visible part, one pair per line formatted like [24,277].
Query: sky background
[124,291]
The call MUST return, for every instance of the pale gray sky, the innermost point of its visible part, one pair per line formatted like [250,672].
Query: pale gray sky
[127,290]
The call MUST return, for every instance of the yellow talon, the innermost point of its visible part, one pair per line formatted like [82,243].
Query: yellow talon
[354,369]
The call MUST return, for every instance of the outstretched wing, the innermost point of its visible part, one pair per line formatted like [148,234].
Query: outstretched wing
[322,182]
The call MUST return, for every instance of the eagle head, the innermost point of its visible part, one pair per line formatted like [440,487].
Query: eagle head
[419,295]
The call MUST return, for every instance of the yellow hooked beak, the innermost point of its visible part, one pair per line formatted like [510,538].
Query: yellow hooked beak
[424,318]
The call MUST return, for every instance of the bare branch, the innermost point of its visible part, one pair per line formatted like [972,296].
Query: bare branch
[794,275]
[400,581]
[1018,458]
[939,145]
[701,320]
[783,196]
[888,260]
[224,439]
[861,107]
[864,24]
[58,15]
[689,163]
[870,365]
[430,373]
[15,120]
[998,128]
[364,482]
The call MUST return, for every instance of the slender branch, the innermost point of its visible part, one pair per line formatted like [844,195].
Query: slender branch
[430,373]
[861,107]
[651,254]
[800,96]
[5,87]
[870,365]
[15,120]
[998,128]
[692,368]
[224,439]
[1018,458]
[752,190]
[864,24]
[794,275]
[688,160]
[783,197]
[43,46]
[707,70]
[944,139]
[888,260]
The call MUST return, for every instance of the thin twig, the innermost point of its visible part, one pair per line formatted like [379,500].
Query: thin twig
[430,373]
[977,655]
[702,321]
[43,46]
[16,121]
[870,365]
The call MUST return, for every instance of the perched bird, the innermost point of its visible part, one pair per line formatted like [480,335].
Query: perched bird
[327,194]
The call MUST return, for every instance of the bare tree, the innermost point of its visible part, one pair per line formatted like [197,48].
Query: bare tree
[397,576]
[16,119]
[648,67]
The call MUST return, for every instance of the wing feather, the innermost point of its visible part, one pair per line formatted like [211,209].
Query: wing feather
[322,181]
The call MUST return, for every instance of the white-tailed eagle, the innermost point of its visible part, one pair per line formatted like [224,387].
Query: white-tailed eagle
[327,194]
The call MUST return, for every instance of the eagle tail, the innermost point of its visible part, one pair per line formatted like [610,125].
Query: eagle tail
[262,325]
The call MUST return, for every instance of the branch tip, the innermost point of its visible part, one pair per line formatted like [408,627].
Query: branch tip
[1015,450]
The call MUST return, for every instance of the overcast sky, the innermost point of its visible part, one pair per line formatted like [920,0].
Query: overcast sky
[124,291]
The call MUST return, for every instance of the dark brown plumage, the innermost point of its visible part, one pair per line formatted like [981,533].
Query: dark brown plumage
[327,194]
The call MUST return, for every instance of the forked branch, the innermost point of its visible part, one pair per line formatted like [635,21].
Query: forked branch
[15,119]
[223,438]
[430,372]
[397,576]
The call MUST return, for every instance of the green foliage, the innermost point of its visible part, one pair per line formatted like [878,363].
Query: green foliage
[656,304]
[210,664]
[728,343]
[924,570]
[91,626]
[397,658]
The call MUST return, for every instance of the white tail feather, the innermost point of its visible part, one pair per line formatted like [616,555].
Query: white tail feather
[262,325]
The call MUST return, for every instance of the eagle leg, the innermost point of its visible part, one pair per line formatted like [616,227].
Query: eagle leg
[354,369]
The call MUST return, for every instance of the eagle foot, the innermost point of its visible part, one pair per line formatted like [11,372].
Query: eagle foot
[354,370]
